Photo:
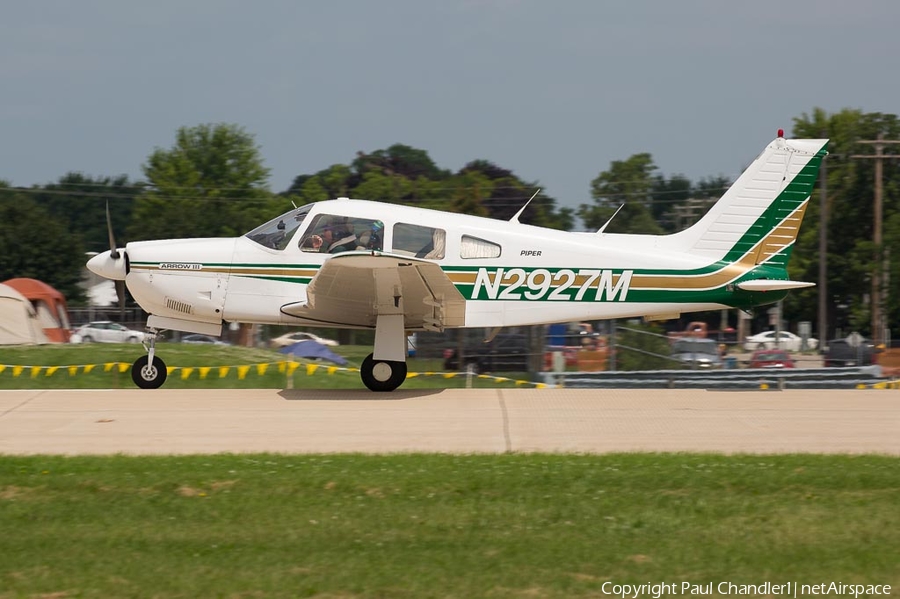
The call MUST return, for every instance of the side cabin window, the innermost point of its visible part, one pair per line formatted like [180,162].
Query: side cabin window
[277,233]
[419,241]
[333,233]
[473,247]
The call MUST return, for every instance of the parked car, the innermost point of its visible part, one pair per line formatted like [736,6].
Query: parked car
[784,340]
[106,331]
[771,358]
[697,353]
[202,339]
[505,353]
[297,336]
[842,352]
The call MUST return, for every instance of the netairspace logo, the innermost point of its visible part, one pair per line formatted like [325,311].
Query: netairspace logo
[787,589]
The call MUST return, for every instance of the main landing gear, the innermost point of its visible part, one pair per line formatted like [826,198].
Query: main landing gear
[149,372]
[385,368]
[382,375]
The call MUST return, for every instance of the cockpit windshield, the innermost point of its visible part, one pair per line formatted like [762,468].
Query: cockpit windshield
[277,233]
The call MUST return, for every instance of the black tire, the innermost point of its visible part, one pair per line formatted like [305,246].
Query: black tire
[382,375]
[87,339]
[149,377]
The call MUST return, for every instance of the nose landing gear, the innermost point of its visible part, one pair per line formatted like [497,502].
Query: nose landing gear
[149,372]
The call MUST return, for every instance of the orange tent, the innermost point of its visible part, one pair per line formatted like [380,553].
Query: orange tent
[49,304]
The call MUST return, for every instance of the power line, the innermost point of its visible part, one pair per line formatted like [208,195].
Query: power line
[144,192]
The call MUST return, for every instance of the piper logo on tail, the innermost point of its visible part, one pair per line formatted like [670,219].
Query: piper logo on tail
[554,285]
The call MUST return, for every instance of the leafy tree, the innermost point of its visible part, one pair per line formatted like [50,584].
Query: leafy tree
[399,159]
[36,244]
[79,201]
[628,182]
[313,190]
[331,183]
[392,175]
[711,187]
[385,187]
[851,255]
[507,193]
[666,194]
[405,175]
[510,193]
[212,182]
[469,193]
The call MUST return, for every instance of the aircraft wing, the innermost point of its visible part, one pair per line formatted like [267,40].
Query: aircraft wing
[354,289]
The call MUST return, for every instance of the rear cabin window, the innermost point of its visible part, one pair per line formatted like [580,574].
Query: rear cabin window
[419,241]
[473,247]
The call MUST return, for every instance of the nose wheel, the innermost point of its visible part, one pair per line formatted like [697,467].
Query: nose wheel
[149,372]
[382,375]
[149,375]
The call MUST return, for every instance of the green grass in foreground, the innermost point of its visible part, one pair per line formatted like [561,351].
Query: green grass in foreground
[514,525]
[104,375]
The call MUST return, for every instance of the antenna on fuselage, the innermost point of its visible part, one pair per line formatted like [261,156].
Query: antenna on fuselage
[516,216]
[603,228]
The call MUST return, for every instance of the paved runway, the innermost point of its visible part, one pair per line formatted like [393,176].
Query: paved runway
[459,421]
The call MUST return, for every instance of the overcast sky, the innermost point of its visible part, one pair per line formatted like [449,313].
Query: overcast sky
[552,90]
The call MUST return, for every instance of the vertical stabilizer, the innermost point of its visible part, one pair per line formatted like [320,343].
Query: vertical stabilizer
[758,218]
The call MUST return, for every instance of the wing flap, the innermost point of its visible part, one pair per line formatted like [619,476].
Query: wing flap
[353,289]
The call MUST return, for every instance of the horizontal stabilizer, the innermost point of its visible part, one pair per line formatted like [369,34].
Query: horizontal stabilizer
[772,285]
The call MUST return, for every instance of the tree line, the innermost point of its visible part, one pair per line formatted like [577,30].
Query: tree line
[212,182]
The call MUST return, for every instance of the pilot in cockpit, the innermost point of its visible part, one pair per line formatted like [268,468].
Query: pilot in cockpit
[337,234]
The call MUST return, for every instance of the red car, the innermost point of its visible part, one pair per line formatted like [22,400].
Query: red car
[771,358]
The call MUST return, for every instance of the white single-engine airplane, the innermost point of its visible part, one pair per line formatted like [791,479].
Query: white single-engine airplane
[367,265]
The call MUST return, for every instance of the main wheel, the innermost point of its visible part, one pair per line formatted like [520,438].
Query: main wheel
[382,375]
[149,376]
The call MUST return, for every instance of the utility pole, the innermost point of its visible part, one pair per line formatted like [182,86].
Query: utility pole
[877,319]
[823,256]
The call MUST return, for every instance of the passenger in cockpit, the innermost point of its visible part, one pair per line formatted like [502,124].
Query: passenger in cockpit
[371,238]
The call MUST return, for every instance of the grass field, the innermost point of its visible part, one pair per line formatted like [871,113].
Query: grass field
[66,367]
[411,526]
[440,526]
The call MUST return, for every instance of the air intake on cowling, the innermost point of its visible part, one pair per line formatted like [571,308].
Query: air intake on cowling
[178,306]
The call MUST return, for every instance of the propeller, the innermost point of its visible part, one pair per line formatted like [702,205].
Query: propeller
[113,252]
[115,255]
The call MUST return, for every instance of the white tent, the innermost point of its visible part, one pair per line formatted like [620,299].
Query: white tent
[19,323]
